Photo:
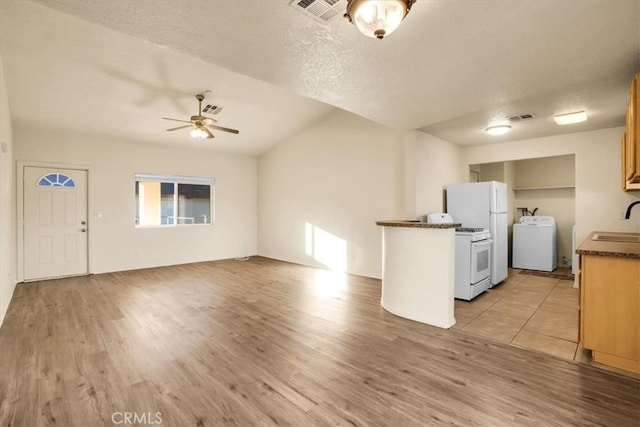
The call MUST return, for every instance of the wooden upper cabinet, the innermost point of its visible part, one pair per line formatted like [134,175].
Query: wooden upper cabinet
[630,148]
[631,145]
[623,150]
[635,125]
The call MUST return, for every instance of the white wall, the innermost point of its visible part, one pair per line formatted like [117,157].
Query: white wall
[492,172]
[7,203]
[599,197]
[438,163]
[321,191]
[115,244]
[552,171]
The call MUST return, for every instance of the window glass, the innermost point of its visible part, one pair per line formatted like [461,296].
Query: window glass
[167,210]
[172,200]
[194,204]
[56,180]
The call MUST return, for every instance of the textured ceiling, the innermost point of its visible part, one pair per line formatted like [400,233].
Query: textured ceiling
[68,74]
[451,69]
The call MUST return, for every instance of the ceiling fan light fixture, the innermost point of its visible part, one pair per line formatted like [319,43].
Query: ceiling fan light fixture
[498,130]
[198,133]
[570,118]
[377,18]
[202,126]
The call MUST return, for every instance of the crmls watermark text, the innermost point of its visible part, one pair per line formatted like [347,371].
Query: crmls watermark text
[133,418]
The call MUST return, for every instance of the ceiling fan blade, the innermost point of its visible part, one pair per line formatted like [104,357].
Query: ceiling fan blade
[176,120]
[179,127]
[224,129]
[208,132]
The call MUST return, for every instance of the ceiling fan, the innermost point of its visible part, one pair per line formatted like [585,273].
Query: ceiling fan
[202,126]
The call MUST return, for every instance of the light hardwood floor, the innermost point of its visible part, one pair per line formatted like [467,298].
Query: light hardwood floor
[265,342]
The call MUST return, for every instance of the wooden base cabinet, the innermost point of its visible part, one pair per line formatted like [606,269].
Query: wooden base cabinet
[610,310]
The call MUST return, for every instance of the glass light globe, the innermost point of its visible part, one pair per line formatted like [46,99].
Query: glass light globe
[198,133]
[498,129]
[379,18]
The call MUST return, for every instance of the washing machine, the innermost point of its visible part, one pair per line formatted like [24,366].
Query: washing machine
[534,243]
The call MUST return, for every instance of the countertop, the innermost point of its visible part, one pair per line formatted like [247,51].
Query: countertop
[611,249]
[414,224]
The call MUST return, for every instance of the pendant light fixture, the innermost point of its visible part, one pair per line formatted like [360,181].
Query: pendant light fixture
[377,18]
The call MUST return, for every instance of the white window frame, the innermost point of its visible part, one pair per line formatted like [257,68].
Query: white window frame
[176,180]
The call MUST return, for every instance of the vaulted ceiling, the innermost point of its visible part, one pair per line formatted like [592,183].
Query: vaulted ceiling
[451,69]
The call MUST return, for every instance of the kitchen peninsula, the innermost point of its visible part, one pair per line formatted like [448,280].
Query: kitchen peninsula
[418,266]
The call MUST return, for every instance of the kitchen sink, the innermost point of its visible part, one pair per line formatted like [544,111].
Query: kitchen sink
[611,237]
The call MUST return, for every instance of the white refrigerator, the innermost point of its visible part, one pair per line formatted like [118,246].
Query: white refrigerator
[483,204]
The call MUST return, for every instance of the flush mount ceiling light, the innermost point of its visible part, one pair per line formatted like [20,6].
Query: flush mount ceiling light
[498,129]
[377,18]
[570,118]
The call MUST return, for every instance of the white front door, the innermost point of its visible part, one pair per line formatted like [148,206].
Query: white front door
[55,222]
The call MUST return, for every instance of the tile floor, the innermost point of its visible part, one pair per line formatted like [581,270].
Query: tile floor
[539,313]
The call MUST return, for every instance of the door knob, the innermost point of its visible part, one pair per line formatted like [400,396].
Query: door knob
[84,230]
[83,223]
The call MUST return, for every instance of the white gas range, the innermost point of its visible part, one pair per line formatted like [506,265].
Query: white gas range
[473,258]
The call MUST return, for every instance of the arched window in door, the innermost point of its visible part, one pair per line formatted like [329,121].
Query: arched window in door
[56,180]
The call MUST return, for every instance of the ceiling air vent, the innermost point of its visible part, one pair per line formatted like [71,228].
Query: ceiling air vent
[519,117]
[211,109]
[322,11]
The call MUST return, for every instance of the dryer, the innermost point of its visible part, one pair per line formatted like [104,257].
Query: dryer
[534,243]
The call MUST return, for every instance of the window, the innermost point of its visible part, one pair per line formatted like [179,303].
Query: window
[56,180]
[173,200]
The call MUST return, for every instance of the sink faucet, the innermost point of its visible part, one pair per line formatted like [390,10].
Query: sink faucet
[628,214]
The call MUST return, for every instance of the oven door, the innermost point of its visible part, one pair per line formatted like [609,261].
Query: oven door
[480,260]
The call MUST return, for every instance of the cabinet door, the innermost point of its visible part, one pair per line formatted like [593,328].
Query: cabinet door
[634,138]
[610,310]
[581,302]
[630,153]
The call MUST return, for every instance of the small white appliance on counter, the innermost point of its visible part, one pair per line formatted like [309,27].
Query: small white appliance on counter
[472,259]
[438,218]
[534,243]
[484,205]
